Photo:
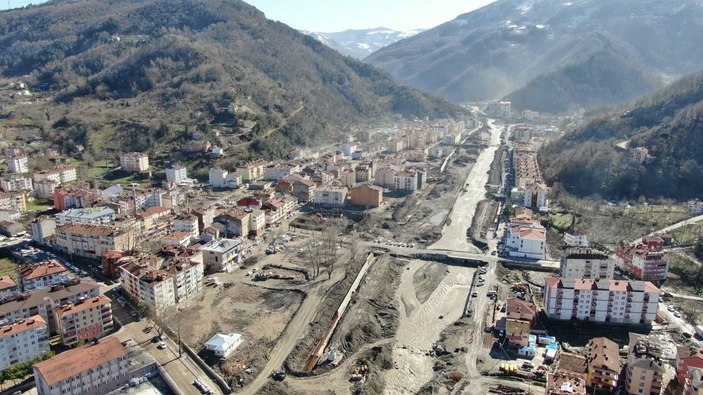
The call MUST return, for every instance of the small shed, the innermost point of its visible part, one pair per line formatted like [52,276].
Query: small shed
[223,345]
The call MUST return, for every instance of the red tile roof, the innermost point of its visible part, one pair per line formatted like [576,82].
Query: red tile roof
[74,362]
[41,269]
[68,309]
[21,326]
[6,281]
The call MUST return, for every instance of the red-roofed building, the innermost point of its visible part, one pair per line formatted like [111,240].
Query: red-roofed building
[521,310]
[23,340]
[87,319]
[526,239]
[687,357]
[42,275]
[645,262]
[95,368]
[8,287]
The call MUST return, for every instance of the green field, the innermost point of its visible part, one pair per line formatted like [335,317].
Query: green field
[560,221]
[7,266]
[40,205]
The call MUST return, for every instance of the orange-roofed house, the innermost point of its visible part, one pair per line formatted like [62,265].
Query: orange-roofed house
[8,287]
[92,369]
[87,319]
[526,239]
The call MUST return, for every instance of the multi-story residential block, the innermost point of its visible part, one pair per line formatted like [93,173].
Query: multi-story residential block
[45,188]
[257,222]
[92,369]
[13,201]
[86,216]
[576,238]
[603,364]
[75,197]
[159,289]
[645,373]
[536,196]
[303,190]
[14,183]
[61,175]
[588,263]
[385,177]
[499,109]
[134,162]
[627,302]
[91,241]
[187,223]
[43,301]
[236,222]
[405,180]
[142,200]
[23,340]
[348,178]
[221,255]
[177,175]
[42,275]
[526,239]
[87,319]
[219,178]
[330,196]
[182,239]
[644,261]
[8,287]
[252,171]
[367,195]
[278,209]
[18,163]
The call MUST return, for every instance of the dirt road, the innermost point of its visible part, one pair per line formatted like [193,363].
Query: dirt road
[454,234]
[296,329]
[420,325]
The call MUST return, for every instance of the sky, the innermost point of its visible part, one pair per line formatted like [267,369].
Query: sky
[328,16]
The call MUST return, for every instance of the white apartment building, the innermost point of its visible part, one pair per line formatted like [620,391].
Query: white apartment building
[187,224]
[160,289]
[91,241]
[536,196]
[218,178]
[87,319]
[177,175]
[134,162]
[17,163]
[93,369]
[86,216]
[221,255]
[404,180]
[576,238]
[61,175]
[627,302]
[330,196]
[13,201]
[588,263]
[41,228]
[8,287]
[257,222]
[16,183]
[526,239]
[23,340]
[149,198]
[42,275]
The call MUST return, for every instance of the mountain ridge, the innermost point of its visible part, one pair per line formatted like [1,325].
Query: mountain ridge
[360,43]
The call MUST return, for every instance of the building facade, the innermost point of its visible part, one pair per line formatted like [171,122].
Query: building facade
[23,340]
[586,263]
[42,275]
[87,319]
[134,162]
[221,255]
[626,302]
[90,241]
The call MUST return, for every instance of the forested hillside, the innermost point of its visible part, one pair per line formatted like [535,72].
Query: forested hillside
[133,74]
[669,124]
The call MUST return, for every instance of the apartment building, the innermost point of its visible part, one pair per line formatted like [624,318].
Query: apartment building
[177,175]
[645,373]
[16,201]
[8,287]
[160,288]
[278,209]
[17,163]
[405,181]
[303,190]
[86,319]
[92,369]
[187,224]
[687,358]
[44,274]
[645,262]
[526,239]
[45,188]
[603,364]
[236,222]
[218,178]
[627,302]
[61,175]
[75,197]
[134,162]
[588,263]
[257,222]
[367,195]
[86,216]
[14,183]
[575,238]
[330,196]
[385,177]
[536,195]
[221,255]
[43,301]
[90,241]
[23,340]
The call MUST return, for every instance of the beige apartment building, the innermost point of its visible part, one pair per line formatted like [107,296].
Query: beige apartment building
[134,162]
[91,241]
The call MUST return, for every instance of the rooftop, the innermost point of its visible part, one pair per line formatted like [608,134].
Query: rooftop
[73,362]
[91,230]
[221,245]
[22,325]
[82,305]
[55,293]
[7,281]
[87,213]
[36,270]
[604,353]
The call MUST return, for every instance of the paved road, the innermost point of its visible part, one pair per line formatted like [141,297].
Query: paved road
[297,328]
[678,225]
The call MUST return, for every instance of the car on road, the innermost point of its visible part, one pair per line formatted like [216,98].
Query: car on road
[156,339]
[677,314]
[161,346]
[670,308]
[474,294]
[687,335]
